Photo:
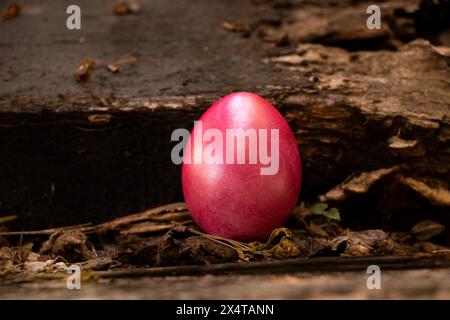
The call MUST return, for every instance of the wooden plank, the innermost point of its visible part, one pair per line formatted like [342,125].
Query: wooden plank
[77,152]
[337,278]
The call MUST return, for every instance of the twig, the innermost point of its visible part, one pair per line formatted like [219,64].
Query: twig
[151,214]
[80,227]
[6,219]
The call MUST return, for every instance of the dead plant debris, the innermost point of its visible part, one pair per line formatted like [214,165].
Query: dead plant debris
[73,246]
[84,69]
[167,236]
[115,66]
[126,7]
[427,229]
[236,26]
[239,27]
[12,11]
[7,219]
[358,184]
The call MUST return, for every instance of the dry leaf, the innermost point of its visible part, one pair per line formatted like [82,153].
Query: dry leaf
[178,247]
[135,6]
[45,266]
[198,249]
[99,118]
[363,243]
[84,69]
[7,219]
[317,230]
[98,264]
[438,193]
[236,27]
[121,8]
[396,142]
[406,148]
[147,227]
[175,212]
[113,67]
[73,246]
[314,247]
[11,11]
[125,7]
[6,253]
[358,184]
[430,247]
[427,229]
[442,50]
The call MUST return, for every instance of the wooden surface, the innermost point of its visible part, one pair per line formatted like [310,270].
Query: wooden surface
[405,284]
[76,152]
[182,47]
[414,277]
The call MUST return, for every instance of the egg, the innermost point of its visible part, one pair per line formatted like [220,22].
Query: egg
[241,172]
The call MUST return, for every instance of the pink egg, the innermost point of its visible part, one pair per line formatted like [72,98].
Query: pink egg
[241,172]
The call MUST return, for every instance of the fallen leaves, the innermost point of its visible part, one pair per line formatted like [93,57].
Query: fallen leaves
[239,27]
[280,245]
[49,266]
[167,236]
[358,184]
[434,190]
[84,69]
[115,66]
[147,227]
[6,254]
[103,263]
[236,26]
[168,215]
[397,198]
[11,12]
[406,148]
[430,247]
[99,118]
[427,229]
[157,219]
[6,219]
[73,246]
[178,246]
[126,7]
[315,223]
[309,57]
[442,50]
[363,243]
[437,193]
[121,8]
